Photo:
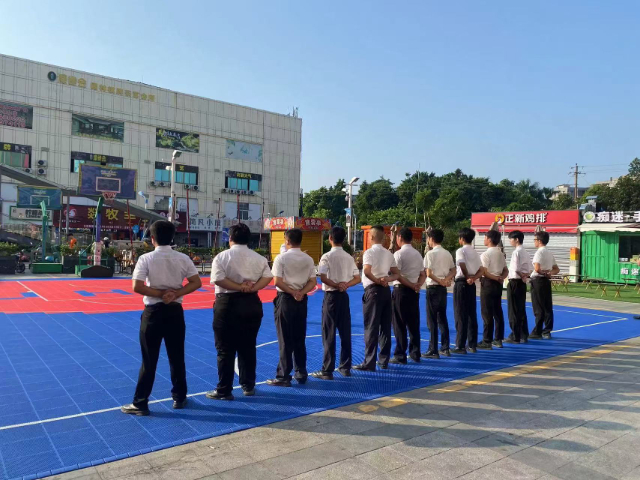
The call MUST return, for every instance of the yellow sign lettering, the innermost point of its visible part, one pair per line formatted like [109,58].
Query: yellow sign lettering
[94,86]
[82,83]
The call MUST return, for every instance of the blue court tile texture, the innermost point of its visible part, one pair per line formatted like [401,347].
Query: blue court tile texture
[63,378]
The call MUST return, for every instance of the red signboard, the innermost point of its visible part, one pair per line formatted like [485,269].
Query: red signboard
[303,223]
[553,221]
[83,217]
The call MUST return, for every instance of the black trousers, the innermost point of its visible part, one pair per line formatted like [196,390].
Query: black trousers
[491,309]
[437,317]
[405,316]
[517,302]
[336,315]
[236,321]
[465,313]
[542,302]
[158,322]
[376,307]
[291,326]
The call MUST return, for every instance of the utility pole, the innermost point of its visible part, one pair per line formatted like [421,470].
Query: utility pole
[575,171]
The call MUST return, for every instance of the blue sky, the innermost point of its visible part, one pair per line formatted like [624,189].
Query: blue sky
[496,88]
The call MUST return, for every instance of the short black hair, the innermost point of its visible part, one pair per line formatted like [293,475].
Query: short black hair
[239,234]
[467,234]
[542,237]
[493,236]
[338,235]
[406,234]
[518,235]
[437,235]
[163,231]
[294,235]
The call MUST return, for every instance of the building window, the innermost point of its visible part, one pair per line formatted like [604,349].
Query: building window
[629,247]
[185,174]
[243,211]
[243,181]
[97,160]
[17,156]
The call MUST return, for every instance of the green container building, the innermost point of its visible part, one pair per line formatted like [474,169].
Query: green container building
[610,255]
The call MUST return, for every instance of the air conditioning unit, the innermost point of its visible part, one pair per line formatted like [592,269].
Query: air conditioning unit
[251,192]
[42,163]
[243,192]
[187,187]
[195,187]
[162,184]
[233,190]
[28,170]
[42,171]
[224,190]
[152,183]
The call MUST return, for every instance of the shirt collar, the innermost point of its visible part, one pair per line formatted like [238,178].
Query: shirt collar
[377,245]
[406,246]
[294,249]
[336,248]
[239,247]
[163,247]
[436,247]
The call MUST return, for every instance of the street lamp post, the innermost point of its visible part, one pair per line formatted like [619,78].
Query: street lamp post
[172,209]
[350,185]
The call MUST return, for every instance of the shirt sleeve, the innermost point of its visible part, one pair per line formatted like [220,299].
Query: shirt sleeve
[278,267]
[451,262]
[266,273]
[427,260]
[323,266]
[486,261]
[393,261]
[141,272]
[312,270]
[537,257]
[217,269]
[190,268]
[398,258]
[366,258]
[460,257]
[356,272]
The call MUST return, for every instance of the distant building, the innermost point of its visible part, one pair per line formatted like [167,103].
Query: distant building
[567,189]
[612,182]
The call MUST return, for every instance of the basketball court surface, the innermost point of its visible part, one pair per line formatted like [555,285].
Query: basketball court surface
[69,358]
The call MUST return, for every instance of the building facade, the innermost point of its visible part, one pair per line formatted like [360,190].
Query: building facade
[236,163]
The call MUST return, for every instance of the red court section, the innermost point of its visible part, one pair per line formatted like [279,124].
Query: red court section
[90,296]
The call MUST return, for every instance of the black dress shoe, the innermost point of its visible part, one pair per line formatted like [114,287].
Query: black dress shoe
[416,359]
[131,409]
[301,380]
[248,392]
[485,346]
[322,375]
[473,350]
[546,336]
[215,395]
[459,351]
[364,368]
[180,404]
[510,341]
[279,382]
[535,336]
[383,366]
[397,361]
[345,372]
[497,343]
[524,340]
[446,352]
[431,355]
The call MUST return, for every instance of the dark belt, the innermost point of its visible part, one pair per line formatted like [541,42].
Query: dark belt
[435,287]
[461,279]
[375,285]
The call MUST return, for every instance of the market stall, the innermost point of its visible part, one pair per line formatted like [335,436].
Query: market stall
[312,237]
[417,237]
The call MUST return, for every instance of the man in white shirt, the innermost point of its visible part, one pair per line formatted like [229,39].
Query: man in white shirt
[376,302]
[544,267]
[295,277]
[283,248]
[405,299]
[159,276]
[468,270]
[238,274]
[495,271]
[338,272]
[440,269]
[519,270]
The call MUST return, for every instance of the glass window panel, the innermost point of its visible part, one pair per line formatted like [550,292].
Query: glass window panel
[254,185]
[233,182]
[179,177]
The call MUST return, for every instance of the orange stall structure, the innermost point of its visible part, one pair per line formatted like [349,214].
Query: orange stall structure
[417,236]
[311,238]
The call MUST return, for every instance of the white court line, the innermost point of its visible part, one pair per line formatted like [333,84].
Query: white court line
[620,319]
[24,286]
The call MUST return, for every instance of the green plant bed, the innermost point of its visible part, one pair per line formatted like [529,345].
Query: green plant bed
[46,268]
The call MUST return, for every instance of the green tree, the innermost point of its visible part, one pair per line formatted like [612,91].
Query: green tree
[326,203]
[376,196]
[563,202]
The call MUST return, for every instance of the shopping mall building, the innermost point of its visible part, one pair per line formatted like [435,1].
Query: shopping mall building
[236,163]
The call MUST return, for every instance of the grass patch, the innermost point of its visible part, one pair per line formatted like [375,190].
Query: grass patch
[628,294]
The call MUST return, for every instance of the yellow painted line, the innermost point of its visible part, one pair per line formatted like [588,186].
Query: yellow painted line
[394,402]
[367,408]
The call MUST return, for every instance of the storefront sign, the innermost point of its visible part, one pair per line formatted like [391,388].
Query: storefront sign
[100,128]
[611,217]
[15,148]
[14,115]
[307,224]
[250,176]
[557,221]
[199,223]
[17,213]
[84,217]
[185,142]
[634,271]
[74,81]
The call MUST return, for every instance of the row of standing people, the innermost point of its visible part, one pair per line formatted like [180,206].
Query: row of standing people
[239,274]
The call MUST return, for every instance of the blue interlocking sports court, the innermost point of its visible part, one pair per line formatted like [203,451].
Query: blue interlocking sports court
[63,377]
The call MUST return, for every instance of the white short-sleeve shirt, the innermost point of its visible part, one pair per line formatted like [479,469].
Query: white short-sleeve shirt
[493,260]
[381,261]
[338,266]
[520,263]
[545,258]
[163,269]
[440,262]
[295,268]
[238,264]
[471,259]
[409,262]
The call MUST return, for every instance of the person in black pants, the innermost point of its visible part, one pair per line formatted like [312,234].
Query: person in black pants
[519,271]
[440,270]
[376,301]
[494,272]
[295,277]
[544,267]
[468,271]
[338,272]
[238,274]
[159,276]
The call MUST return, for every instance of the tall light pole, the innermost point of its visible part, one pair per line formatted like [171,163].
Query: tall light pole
[349,191]
[172,208]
